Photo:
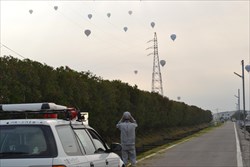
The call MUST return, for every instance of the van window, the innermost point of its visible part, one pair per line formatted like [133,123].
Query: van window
[98,142]
[85,141]
[68,140]
[26,141]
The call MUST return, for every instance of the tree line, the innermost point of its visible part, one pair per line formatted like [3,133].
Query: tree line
[27,81]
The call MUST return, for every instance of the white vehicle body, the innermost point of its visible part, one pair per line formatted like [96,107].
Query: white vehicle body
[53,143]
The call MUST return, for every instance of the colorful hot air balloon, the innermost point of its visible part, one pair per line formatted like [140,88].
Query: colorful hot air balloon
[162,62]
[173,37]
[135,71]
[125,29]
[87,32]
[108,14]
[152,24]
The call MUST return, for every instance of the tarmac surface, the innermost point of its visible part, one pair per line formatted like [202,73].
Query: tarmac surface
[217,148]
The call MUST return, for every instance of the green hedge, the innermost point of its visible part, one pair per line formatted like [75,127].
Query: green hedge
[26,81]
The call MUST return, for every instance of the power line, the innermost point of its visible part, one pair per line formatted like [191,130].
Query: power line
[13,51]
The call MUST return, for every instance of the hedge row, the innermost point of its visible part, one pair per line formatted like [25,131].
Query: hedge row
[26,81]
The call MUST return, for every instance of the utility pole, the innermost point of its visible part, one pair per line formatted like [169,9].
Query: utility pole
[156,74]
[243,91]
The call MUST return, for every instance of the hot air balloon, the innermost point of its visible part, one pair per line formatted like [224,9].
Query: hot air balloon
[30,11]
[89,16]
[55,7]
[178,97]
[162,62]
[152,24]
[130,12]
[173,37]
[108,14]
[87,32]
[247,67]
[135,71]
[125,29]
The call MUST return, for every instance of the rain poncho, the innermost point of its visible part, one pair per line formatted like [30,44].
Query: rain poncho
[127,127]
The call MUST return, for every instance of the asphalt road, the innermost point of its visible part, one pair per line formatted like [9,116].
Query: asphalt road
[217,148]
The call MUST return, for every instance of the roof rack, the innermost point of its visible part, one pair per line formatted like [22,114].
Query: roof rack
[49,110]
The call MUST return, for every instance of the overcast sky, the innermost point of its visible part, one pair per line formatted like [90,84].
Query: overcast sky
[212,39]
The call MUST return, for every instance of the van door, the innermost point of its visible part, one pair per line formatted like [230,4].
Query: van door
[111,159]
[95,158]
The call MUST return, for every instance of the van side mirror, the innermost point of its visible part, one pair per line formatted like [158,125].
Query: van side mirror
[115,147]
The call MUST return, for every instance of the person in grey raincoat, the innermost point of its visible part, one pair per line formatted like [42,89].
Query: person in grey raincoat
[127,126]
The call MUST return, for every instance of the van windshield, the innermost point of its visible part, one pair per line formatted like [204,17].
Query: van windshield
[27,141]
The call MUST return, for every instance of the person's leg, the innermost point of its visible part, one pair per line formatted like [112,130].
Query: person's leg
[125,157]
[132,156]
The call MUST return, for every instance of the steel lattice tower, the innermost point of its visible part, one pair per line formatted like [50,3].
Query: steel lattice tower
[156,75]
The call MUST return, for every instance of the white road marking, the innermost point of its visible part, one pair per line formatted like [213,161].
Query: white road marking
[238,153]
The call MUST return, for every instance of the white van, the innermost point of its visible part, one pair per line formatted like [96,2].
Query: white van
[51,142]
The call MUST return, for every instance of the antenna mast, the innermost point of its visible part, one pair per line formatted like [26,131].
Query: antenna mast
[156,75]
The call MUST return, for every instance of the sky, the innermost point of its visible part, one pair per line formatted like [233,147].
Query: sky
[212,38]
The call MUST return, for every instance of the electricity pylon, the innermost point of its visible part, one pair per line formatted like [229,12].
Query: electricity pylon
[156,75]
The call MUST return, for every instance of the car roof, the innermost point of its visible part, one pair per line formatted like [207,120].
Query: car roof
[50,122]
